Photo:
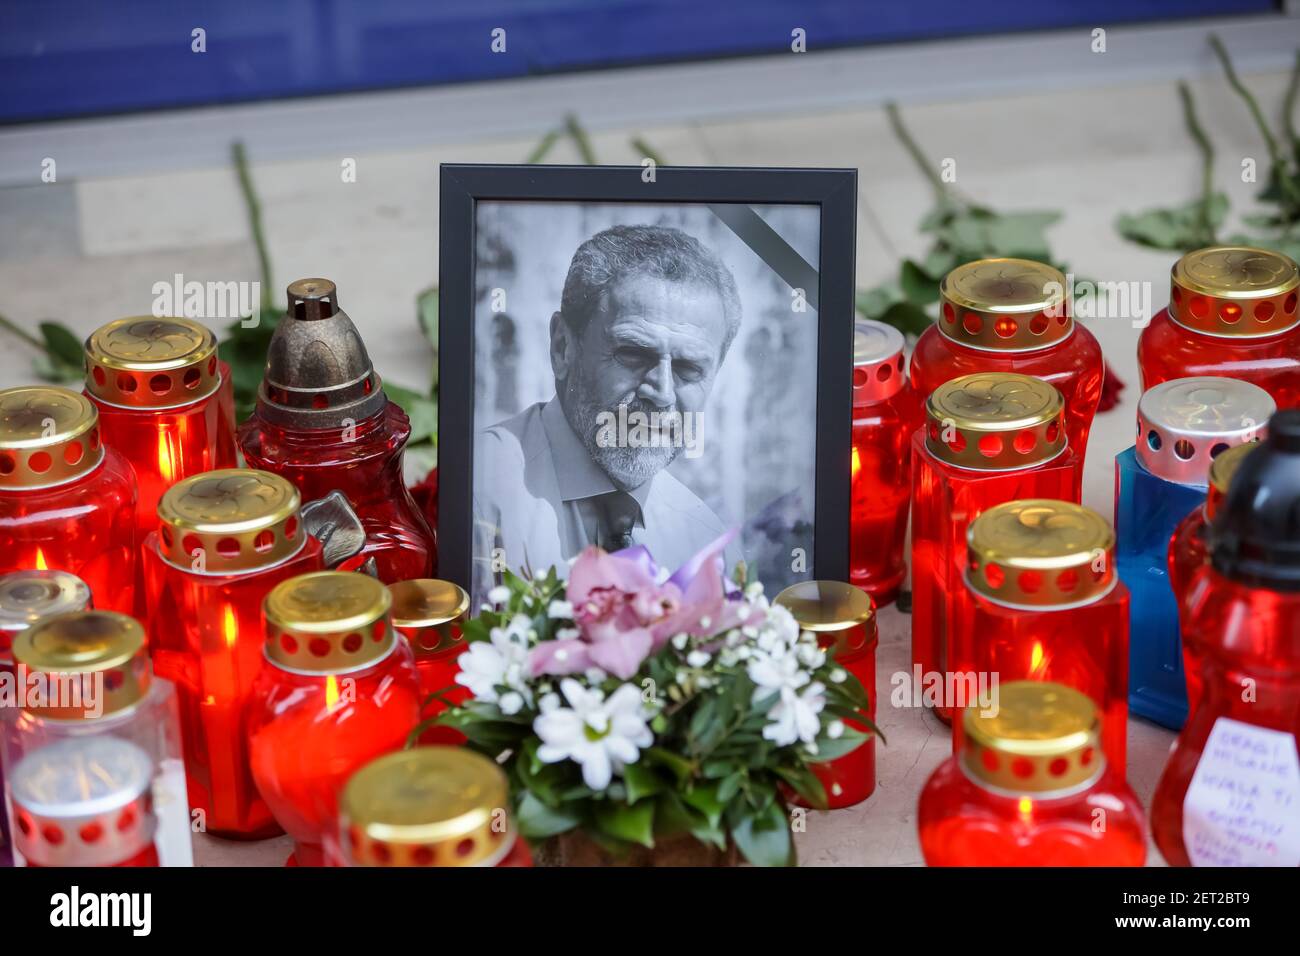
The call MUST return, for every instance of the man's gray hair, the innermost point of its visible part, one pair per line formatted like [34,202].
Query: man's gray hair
[658,251]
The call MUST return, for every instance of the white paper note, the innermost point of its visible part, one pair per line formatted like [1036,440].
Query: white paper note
[1243,805]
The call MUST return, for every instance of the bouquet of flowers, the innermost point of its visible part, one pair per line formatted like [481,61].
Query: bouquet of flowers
[631,704]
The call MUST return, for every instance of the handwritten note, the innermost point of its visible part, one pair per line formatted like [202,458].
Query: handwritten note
[1243,805]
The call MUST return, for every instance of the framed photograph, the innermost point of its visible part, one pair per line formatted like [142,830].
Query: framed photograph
[639,356]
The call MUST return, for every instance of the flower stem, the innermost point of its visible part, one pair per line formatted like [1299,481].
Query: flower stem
[1207,164]
[580,139]
[16,330]
[542,148]
[254,208]
[1288,105]
[922,161]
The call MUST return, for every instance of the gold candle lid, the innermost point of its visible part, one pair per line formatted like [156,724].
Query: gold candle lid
[328,622]
[1004,305]
[1040,553]
[429,806]
[48,436]
[104,650]
[28,596]
[1236,291]
[1221,471]
[429,613]
[1042,737]
[230,520]
[148,362]
[839,613]
[995,421]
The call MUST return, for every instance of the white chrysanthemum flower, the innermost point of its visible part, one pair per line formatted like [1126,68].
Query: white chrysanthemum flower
[775,672]
[511,703]
[499,662]
[794,717]
[600,735]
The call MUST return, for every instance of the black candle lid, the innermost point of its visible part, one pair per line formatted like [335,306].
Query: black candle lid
[1255,536]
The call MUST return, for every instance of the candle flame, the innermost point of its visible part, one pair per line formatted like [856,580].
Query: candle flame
[1026,807]
[857,462]
[229,626]
[1037,661]
[331,692]
[166,460]
[40,560]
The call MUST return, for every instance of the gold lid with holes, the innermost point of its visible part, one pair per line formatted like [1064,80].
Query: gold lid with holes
[429,806]
[1041,737]
[103,651]
[1235,291]
[328,622]
[840,614]
[148,362]
[1221,471]
[995,421]
[48,436]
[232,519]
[28,596]
[1041,553]
[429,614]
[1004,305]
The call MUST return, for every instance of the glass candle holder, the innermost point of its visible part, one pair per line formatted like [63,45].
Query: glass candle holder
[67,502]
[989,438]
[324,423]
[1043,602]
[430,806]
[94,669]
[886,412]
[844,621]
[1012,315]
[1232,312]
[1031,787]
[84,802]
[1189,551]
[429,613]
[224,539]
[339,689]
[157,384]
[1229,792]
[1183,425]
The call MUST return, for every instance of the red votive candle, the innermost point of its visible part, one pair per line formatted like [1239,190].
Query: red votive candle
[989,438]
[1031,786]
[429,614]
[844,621]
[223,540]
[339,689]
[67,503]
[886,412]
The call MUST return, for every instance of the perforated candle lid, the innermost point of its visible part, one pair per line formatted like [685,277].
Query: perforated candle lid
[1004,305]
[148,362]
[48,436]
[229,520]
[1235,291]
[105,652]
[84,801]
[28,596]
[1186,423]
[429,613]
[328,622]
[1221,472]
[1041,553]
[995,421]
[1037,737]
[877,361]
[832,609]
[430,806]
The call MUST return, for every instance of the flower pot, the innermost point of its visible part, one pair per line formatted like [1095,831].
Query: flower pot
[577,849]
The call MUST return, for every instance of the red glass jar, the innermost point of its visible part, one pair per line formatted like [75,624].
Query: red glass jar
[67,502]
[1232,313]
[339,689]
[84,801]
[1229,793]
[157,384]
[886,412]
[1043,602]
[1012,315]
[324,423]
[430,806]
[989,438]
[844,620]
[1189,552]
[1031,787]
[223,540]
[429,614]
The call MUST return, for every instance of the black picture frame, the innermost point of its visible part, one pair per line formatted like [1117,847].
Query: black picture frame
[463,186]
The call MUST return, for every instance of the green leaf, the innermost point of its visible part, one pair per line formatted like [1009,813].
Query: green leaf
[730,786]
[907,318]
[678,766]
[763,838]
[805,783]
[873,303]
[919,288]
[537,821]
[62,344]
[422,411]
[427,306]
[641,782]
[847,742]
[1177,228]
[704,797]
[1020,234]
[635,824]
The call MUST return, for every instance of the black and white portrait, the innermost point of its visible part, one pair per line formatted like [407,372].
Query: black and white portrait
[644,375]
